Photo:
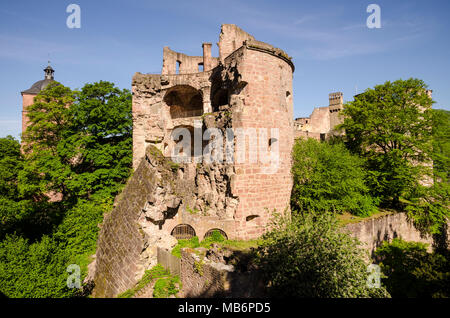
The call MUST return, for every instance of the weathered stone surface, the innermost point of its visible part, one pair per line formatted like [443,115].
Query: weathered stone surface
[205,275]
[373,232]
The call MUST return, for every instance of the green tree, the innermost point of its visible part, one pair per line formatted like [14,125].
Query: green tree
[391,126]
[441,142]
[428,207]
[310,256]
[77,144]
[20,213]
[46,169]
[11,208]
[328,178]
[410,271]
[99,140]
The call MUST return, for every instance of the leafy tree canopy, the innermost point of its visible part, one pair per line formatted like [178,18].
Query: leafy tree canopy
[391,127]
[327,177]
[441,142]
[78,144]
[410,271]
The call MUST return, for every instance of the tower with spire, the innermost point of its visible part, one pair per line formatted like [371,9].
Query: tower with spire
[29,94]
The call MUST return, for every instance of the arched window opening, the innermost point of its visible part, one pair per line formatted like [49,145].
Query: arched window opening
[184,101]
[183,232]
[210,233]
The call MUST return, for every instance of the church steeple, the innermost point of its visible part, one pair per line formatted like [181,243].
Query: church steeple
[49,72]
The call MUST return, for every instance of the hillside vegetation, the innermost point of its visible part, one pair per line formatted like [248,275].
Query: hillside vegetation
[79,147]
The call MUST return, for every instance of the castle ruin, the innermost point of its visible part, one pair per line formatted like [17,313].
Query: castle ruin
[248,87]
[322,121]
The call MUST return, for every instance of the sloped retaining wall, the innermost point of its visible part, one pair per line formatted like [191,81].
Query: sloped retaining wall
[373,232]
[120,241]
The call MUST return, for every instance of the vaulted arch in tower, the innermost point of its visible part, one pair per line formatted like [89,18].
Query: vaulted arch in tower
[184,101]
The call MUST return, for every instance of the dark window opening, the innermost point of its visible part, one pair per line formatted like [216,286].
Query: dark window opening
[200,67]
[251,217]
[220,98]
[322,137]
[271,142]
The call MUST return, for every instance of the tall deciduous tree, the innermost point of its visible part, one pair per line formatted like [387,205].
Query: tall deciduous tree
[78,143]
[99,139]
[391,126]
[327,177]
[46,170]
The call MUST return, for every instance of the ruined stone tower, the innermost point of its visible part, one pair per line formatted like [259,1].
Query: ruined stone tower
[323,120]
[247,91]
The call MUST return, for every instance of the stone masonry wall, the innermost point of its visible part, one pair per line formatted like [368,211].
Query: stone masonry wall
[264,103]
[27,100]
[129,235]
[205,273]
[120,241]
[373,232]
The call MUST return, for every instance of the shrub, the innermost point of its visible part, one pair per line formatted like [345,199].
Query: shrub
[410,271]
[310,256]
[194,242]
[215,237]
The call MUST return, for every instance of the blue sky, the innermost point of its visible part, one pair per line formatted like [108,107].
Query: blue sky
[332,48]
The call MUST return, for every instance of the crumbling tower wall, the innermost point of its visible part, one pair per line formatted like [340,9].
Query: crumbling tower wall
[247,91]
[336,104]
[262,100]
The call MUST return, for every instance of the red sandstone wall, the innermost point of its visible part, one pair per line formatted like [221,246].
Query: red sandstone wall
[120,242]
[320,120]
[265,105]
[27,100]
[231,38]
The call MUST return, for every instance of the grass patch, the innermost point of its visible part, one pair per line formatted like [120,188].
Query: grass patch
[216,238]
[241,245]
[348,218]
[157,271]
[166,287]
[191,243]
